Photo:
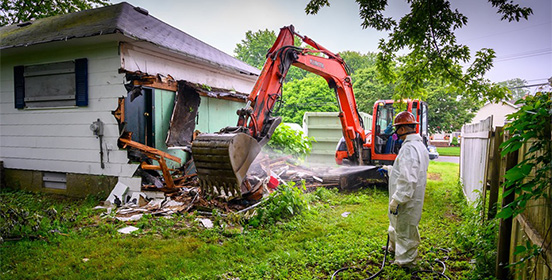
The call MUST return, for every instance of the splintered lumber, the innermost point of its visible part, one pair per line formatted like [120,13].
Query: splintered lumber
[148,150]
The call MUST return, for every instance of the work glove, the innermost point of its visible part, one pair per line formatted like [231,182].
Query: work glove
[394,207]
[384,170]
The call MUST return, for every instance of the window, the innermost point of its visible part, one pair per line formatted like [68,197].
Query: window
[61,84]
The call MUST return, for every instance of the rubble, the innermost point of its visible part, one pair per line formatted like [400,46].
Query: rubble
[157,198]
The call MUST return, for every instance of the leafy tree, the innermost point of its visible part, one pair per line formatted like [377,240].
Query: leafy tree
[368,88]
[254,47]
[428,31]
[310,94]
[448,111]
[356,61]
[516,86]
[17,11]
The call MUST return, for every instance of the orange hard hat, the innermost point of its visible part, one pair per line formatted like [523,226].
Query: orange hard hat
[405,117]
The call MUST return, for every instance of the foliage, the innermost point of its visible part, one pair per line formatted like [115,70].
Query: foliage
[254,47]
[23,215]
[454,141]
[448,111]
[356,60]
[369,88]
[286,140]
[17,11]
[288,200]
[428,31]
[480,237]
[310,94]
[530,178]
[516,86]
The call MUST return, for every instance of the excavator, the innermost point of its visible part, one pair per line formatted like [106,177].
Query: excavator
[222,159]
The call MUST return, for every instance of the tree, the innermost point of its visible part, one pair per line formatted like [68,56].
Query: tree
[428,32]
[311,94]
[17,11]
[517,87]
[356,61]
[369,89]
[254,47]
[448,111]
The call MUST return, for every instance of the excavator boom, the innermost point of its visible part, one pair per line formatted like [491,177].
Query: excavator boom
[222,159]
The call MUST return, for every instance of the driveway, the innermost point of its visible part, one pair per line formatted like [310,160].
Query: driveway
[448,159]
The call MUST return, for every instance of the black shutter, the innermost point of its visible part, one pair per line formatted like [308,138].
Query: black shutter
[81,79]
[19,86]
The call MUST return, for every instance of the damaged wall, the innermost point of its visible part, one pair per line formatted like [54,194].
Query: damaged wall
[154,60]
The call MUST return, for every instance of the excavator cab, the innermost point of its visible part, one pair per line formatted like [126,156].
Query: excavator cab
[382,144]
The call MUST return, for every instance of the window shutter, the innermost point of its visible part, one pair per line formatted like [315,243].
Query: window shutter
[81,79]
[19,86]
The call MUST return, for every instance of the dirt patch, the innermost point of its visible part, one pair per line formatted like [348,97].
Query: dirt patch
[434,176]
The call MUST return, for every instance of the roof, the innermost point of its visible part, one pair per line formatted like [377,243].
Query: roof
[132,22]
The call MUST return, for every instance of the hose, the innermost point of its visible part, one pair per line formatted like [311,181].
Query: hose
[414,274]
[356,268]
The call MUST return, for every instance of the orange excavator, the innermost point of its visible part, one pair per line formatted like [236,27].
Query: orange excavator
[222,159]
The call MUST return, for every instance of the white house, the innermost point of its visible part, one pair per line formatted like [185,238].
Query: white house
[499,111]
[61,74]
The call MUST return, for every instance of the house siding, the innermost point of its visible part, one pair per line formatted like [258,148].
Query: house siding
[60,139]
[498,111]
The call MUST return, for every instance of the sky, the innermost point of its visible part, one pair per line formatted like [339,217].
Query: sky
[523,49]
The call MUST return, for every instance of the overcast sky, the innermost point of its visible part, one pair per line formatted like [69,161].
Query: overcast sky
[523,49]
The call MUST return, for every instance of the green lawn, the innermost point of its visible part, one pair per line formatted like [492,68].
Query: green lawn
[449,151]
[309,246]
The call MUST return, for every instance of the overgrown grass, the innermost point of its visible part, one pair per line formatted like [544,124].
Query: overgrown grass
[311,245]
[449,151]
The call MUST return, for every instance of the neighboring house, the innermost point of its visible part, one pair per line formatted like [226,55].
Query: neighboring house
[61,74]
[499,111]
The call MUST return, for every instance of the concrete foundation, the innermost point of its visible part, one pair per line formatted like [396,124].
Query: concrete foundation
[77,185]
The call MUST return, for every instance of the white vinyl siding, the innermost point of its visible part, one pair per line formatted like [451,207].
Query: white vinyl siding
[60,140]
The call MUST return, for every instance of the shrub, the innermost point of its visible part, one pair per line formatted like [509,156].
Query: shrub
[286,140]
[287,201]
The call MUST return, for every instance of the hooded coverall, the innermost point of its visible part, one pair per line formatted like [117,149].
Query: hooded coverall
[407,183]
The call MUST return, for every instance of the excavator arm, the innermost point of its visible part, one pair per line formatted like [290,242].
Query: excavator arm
[233,157]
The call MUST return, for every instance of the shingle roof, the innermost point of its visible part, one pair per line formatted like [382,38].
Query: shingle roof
[121,18]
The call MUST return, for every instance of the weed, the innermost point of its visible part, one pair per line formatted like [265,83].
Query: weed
[282,204]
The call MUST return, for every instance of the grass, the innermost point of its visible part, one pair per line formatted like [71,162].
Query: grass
[449,151]
[308,246]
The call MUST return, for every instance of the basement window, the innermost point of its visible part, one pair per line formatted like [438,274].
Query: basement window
[61,84]
[54,180]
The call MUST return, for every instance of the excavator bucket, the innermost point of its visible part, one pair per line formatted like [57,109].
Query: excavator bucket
[222,161]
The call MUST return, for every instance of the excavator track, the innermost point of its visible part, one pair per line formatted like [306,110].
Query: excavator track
[222,161]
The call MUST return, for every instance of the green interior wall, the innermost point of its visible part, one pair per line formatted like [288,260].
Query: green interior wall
[214,114]
[163,106]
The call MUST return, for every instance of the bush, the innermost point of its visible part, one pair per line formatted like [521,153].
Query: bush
[287,201]
[286,140]
[479,237]
[454,141]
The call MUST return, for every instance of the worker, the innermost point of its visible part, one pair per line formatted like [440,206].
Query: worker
[407,183]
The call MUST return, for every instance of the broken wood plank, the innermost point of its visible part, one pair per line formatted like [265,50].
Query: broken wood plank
[147,149]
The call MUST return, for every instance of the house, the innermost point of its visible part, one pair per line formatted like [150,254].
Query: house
[66,81]
[499,111]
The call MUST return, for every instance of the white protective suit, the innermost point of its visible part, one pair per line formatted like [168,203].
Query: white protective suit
[407,183]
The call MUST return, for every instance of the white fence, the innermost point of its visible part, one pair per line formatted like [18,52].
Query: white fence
[474,157]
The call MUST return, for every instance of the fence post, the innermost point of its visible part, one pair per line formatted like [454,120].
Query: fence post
[505,228]
[494,179]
